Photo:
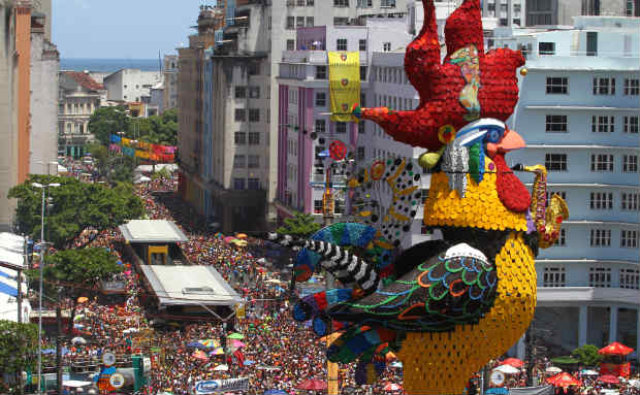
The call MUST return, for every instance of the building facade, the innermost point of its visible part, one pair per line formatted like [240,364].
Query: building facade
[170,82]
[578,112]
[507,12]
[8,113]
[562,12]
[130,85]
[79,96]
[45,65]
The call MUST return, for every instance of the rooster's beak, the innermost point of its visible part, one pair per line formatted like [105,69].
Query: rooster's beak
[510,142]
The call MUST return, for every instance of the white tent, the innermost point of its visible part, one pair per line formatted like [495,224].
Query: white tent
[171,167]
[507,369]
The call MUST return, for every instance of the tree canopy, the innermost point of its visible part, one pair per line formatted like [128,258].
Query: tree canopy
[76,206]
[18,348]
[108,120]
[301,224]
[587,355]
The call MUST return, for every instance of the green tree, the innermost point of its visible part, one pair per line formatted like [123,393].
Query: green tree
[587,355]
[106,121]
[18,352]
[76,206]
[301,224]
[77,273]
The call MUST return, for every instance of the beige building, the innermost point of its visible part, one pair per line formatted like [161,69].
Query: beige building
[79,96]
[170,81]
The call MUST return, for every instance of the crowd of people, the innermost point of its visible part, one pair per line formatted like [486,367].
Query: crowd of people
[274,351]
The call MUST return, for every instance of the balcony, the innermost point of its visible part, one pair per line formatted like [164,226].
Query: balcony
[314,57]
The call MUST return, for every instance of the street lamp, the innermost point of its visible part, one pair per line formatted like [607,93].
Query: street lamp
[42,247]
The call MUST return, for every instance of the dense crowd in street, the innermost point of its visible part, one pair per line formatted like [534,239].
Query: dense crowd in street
[274,352]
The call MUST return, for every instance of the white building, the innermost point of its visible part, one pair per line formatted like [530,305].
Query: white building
[45,63]
[130,85]
[578,111]
[170,82]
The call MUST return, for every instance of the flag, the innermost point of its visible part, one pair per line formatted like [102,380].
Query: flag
[344,84]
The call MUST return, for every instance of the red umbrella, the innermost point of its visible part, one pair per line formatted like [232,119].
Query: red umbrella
[312,385]
[608,379]
[515,362]
[616,348]
[392,387]
[563,380]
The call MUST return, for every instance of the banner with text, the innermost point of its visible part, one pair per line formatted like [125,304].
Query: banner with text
[344,84]
[218,386]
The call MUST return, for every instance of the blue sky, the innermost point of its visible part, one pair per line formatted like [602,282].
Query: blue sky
[122,29]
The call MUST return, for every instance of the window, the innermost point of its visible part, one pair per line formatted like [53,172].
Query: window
[341,44]
[253,184]
[361,154]
[362,44]
[387,3]
[317,206]
[547,48]
[240,115]
[239,161]
[629,238]
[253,162]
[557,85]
[601,162]
[362,128]
[291,45]
[600,277]
[630,278]
[386,47]
[238,183]
[364,3]
[254,138]
[554,277]
[604,86]
[630,163]
[562,238]
[254,92]
[556,124]
[254,115]
[291,22]
[240,92]
[603,124]
[253,68]
[340,21]
[321,99]
[601,200]
[363,76]
[341,3]
[310,21]
[299,21]
[240,138]
[555,162]
[321,126]
[630,201]
[321,72]
[341,127]
[631,87]
[631,124]
[310,2]
[600,238]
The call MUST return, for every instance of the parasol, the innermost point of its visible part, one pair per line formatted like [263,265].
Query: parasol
[241,236]
[209,343]
[392,387]
[507,369]
[588,372]
[78,340]
[236,335]
[237,344]
[616,348]
[515,362]
[221,368]
[553,370]
[312,385]
[217,351]
[83,299]
[563,380]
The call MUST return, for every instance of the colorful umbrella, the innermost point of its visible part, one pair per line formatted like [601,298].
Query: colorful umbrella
[237,344]
[199,354]
[616,348]
[563,380]
[241,236]
[217,351]
[209,343]
[83,299]
[312,385]
[515,362]
[608,379]
[392,387]
[236,335]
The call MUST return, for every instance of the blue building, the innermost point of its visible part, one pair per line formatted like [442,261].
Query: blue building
[578,112]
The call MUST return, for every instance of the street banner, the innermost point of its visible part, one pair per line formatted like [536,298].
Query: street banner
[344,84]
[544,390]
[218,386]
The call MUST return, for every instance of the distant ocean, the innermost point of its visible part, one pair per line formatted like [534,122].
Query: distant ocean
[109,65]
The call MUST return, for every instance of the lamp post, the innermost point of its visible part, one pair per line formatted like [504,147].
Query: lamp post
[42,247]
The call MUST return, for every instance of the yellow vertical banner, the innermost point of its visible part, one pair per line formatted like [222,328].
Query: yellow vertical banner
[344,84]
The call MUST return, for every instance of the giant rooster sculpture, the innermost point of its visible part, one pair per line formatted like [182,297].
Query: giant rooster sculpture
[446,306]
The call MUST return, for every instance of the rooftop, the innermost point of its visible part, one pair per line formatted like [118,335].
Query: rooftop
[190,285]
[152,231]
[85,80]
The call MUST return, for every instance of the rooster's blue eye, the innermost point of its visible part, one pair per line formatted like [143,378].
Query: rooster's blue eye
[493,136]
